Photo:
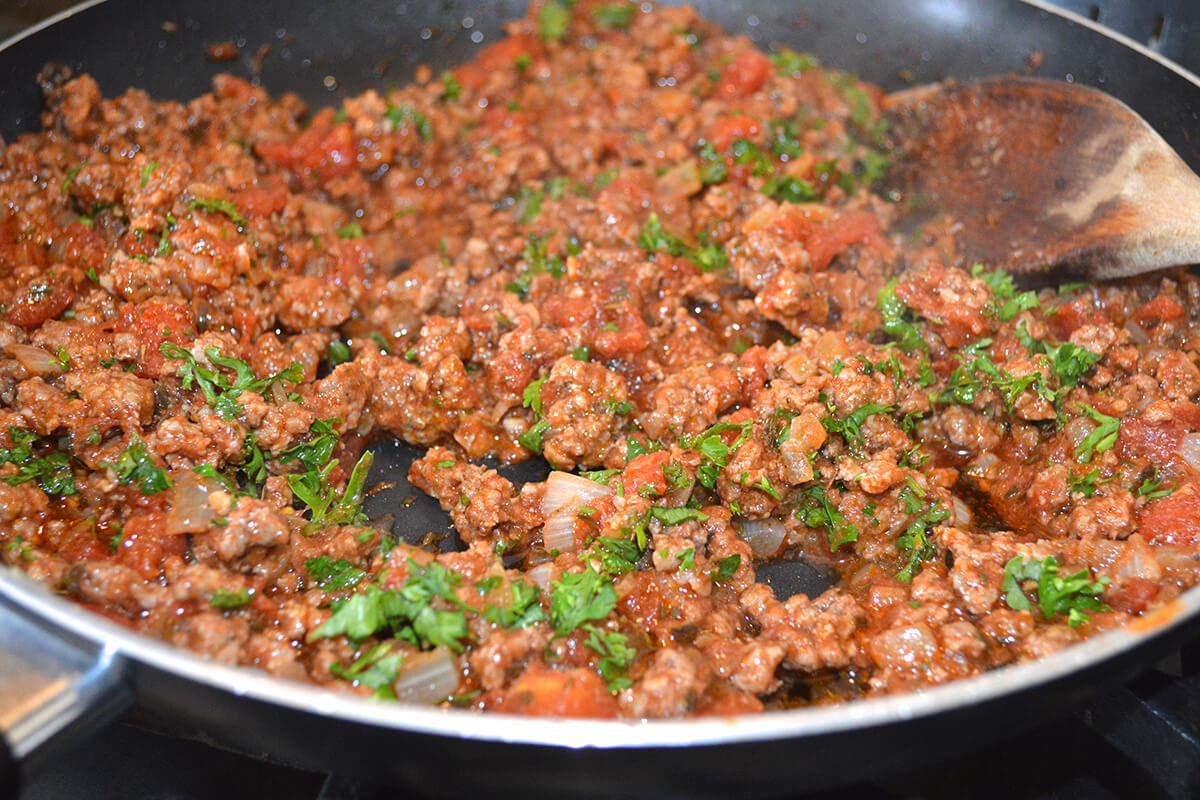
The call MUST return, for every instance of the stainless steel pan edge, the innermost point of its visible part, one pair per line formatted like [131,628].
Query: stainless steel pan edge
[20,595]
[255,713]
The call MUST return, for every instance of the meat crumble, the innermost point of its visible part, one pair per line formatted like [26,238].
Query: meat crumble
[620,241]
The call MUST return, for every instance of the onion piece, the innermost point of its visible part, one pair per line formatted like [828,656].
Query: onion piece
[765,536]
[565,489]
[541,575]
[34,359]
[960,512]
[1189,449]
[428,678]
[558,534]
[190,510]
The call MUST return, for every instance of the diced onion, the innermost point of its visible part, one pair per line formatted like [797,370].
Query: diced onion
[566,490]
[1189,449]
[960,513]
[541,575]
[1136,332]
[428,678]
[190,510]
[34,359]
[558,534]
[765,536]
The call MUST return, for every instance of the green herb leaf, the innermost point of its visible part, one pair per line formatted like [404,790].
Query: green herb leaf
[615,656]
[580,597]
[137,466]
[221,207]
[333,575]
[229,600]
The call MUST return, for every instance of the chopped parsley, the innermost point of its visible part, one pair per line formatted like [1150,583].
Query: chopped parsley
[580,597]
[850,426]
[786,189]
[714,450]
[789,63]
[376,669]
[915,541]
[899,320]
[1102,437]
[615,15]
[326,506]
[817,511]
[220,392]
[1008,301]
[707,257]
[229,600]
[534,437]
[221,207]
[1152,488]
[676,516]
[351,230]
[404,114]
[137,466]
[726,568]
[333,575]
[553,19]
[452,89]
[615,655]
[1072,595]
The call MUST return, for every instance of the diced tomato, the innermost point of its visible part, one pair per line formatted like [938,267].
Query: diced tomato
[569,310]
[752,370]
[508,373]
[853,227]
[146,543]
[350,259]
[646,470]
[743,75]
[726,130]
[16,247]
[1160,309]
[246,322]
[85,248]
[1080,311]
[630,187]
[41,299]
[1132,595]
[643,603]
[261,199]
[498,119]
[82,544]
[154,322]
[728,704]
[630,335]
[1174,519]
[544,692]
[493,58]
[1159,443]
[323,150]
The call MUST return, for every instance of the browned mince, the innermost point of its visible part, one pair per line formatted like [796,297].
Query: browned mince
[623,242]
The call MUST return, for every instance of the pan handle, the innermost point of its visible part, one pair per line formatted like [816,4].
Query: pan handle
[55,689]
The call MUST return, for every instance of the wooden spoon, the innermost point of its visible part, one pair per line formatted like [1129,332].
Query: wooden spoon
[1052,181]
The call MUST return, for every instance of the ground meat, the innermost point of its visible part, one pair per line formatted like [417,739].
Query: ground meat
[649,254]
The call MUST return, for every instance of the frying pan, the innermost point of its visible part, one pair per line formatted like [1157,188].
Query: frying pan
[64,671]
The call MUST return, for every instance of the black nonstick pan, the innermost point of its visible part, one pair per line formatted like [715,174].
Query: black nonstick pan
[64,671]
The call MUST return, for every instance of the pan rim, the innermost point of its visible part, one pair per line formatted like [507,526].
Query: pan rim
[122,645]
[119,643]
